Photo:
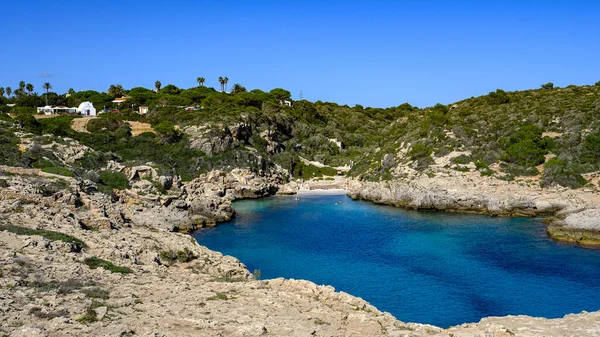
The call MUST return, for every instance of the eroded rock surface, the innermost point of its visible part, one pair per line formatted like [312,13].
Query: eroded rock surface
[128,274]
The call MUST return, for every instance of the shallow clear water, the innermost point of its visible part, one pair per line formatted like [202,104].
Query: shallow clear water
[426,267]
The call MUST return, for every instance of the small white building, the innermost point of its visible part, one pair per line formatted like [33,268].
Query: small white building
[86,109]
[56,110]
[143,110]
[47,110]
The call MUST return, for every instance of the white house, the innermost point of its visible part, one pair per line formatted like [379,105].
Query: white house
[86,109]
[143,110]
[49,110]
[285,102]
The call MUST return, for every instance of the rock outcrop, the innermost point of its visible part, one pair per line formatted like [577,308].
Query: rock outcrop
[573,214]
[210,140]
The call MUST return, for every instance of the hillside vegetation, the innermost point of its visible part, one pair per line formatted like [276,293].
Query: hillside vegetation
[504,134]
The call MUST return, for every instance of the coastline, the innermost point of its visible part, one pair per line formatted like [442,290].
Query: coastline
[571,215]
[180,298]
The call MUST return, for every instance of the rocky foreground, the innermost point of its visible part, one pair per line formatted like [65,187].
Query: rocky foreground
[78,263]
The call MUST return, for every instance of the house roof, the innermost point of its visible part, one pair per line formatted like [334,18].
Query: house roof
[122,99]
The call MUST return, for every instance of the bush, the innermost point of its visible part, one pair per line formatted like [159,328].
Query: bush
[58,170]
[96,293]
[113,179]
[300,170]
[419,151]
[90,314]
[518,170]
[168,131]
[526,147]
[462,159]
[498,97]
[558,172]
[28,122]
[591,149]
[182,256]
[548,85]
[525,153]
[94,262]
[105,124]
[50,235]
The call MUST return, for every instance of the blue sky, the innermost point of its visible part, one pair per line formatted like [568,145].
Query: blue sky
[374,53]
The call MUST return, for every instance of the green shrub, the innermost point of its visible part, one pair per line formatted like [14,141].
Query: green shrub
[112,179]
[498,97]
[548,85]
[591,149]
[558,172]
[168,130]
[105,124]
[28,122]
[58,126]
[301,170]
[218,296]
[526,147]
[90,314]
[50,235]
[525,152]
[462,159]
[95,262]
[96,292]
[182,256]
[518,170]
[419,151]
[58,170]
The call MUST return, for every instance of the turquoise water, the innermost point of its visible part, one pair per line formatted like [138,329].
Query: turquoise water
[426,267]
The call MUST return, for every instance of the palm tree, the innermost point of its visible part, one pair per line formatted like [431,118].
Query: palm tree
[47,86]
[237,88]
[71,91]
[200,81]
[1,91]
[116,90]
[157,85]
[222,83]
[22,86]
[225,80]
[29,87]
[8,91]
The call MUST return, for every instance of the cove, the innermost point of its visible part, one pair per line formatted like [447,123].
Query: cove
[426,267]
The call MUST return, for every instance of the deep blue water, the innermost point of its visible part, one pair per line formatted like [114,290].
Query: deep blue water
[426,267]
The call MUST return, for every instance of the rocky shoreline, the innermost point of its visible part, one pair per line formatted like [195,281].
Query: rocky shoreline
[76,262]
[572,215]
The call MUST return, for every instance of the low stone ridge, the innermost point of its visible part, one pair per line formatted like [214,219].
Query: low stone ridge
[573,214]
[135,276]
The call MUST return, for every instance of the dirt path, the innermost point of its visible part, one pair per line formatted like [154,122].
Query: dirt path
[80,124]
[137,128]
